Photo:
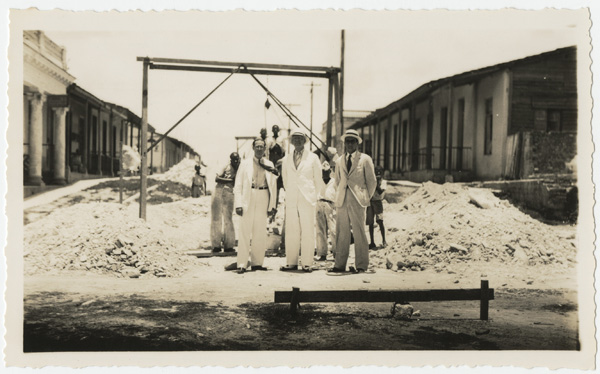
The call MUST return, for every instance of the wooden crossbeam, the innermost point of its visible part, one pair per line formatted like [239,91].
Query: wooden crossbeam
[236,64]
[241,71]
[294,297]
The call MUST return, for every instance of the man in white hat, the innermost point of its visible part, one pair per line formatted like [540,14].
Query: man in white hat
[302,180]
[356,183]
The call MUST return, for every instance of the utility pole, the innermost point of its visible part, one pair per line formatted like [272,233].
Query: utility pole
[312,84]
[289,126]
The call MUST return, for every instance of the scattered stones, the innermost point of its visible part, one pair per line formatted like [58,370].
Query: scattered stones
[494,230]
[120,244]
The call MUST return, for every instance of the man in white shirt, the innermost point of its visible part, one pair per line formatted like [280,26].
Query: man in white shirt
[301,172]
[254,198]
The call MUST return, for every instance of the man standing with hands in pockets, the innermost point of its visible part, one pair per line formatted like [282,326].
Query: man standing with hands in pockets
[356,183]
[302,180]
[254,197]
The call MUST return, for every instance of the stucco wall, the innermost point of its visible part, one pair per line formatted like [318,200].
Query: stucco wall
[496,87]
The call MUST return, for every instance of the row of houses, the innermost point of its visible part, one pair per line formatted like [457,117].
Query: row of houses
[68,133]
[514,120]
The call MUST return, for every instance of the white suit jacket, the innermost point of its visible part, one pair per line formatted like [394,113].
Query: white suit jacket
[360,179]
[306,181]
[242,189]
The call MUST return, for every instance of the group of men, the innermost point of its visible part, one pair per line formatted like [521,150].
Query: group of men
[311,197]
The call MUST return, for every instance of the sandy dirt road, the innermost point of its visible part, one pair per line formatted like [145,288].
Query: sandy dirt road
[205,307]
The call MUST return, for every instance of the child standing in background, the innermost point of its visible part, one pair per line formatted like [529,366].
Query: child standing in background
[375,210]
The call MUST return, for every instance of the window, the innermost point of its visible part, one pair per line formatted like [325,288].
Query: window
[554,121]
[489,127]
[540,121]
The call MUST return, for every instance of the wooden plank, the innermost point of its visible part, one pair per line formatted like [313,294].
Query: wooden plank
[204,254]
[382,296]
[241,71]
[236,64]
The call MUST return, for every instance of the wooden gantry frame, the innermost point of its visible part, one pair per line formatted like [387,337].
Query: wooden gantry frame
[334,75]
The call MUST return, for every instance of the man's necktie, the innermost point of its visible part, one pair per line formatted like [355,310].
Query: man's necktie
[297,157]
[349,163]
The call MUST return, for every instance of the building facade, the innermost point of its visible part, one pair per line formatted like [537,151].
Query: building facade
[70,134]
[508,121]
[45,82]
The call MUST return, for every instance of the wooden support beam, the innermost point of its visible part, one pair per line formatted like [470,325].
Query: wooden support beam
[486,296]
[294,300]
[242,71]
[143,141]
[329,114]
[237,64]
[483,294]
[339,131]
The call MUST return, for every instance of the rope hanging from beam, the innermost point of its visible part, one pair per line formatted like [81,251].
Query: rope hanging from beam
[191,110]
[289,113]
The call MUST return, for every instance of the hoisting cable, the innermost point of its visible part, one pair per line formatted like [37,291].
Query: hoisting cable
[291,116]
[287,111]
[191,110]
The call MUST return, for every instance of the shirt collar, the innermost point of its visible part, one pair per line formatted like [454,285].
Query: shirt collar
[299,152]
[351,154]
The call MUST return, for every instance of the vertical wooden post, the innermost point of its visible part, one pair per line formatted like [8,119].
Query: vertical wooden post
[121,174]
[143,140]
[329,103]
[485,300]
[342,77]
[295,300]
[451,130]
[339,130]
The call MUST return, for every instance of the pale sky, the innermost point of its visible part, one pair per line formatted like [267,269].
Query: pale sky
[387,56]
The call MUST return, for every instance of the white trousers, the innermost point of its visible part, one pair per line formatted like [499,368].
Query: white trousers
[253,227]
[300,233]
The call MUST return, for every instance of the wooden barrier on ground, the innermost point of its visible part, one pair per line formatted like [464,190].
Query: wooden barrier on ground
[295,297]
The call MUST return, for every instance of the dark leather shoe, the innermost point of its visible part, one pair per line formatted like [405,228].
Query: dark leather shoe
[288,268]
[229,250]
[360,270]
[258,267]
[307,269]
[321,258]
[335,270]
[216,250]
[232,266]
[241,271]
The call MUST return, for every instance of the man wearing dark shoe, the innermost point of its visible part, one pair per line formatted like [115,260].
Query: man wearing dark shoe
[356,183]
[254,195]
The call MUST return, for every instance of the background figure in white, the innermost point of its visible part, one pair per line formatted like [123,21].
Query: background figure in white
[326,214]
[302,180]
[254,195]
[221,224]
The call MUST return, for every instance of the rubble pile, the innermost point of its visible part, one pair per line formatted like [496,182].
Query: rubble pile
[102,238]
[183,172]
[450,223]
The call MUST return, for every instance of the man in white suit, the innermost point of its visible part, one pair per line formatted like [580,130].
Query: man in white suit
[302,180]
[254,198]
[356,183]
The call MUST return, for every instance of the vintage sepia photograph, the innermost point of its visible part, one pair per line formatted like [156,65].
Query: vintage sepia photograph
[353,187]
